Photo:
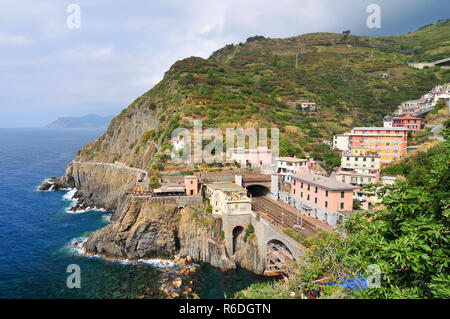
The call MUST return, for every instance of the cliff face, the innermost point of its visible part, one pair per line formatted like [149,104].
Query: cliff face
[101,185]
[247,257]
[149,229]
[123,140]
[141,231]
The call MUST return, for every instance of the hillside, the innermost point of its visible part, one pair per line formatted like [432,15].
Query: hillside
[257,84]
[87,121]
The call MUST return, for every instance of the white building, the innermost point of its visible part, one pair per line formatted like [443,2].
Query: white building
[363,163]
[388,120]
[288,166]
[342,142]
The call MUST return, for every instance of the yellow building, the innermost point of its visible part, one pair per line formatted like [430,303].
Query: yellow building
[228,198]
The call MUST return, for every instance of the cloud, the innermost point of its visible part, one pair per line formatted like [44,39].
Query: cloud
[8,39]
[122,50]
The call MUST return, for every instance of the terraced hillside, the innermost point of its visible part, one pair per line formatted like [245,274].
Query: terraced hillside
[257,84]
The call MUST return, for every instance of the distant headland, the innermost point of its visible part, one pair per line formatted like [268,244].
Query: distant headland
[87,121]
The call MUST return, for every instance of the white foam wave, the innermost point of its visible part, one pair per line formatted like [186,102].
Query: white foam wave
[85,210]
[69,195]
[76,246]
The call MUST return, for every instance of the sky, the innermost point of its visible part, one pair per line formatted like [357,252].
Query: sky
[122,48]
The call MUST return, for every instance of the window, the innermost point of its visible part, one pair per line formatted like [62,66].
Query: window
[326,204]
[301,194]
[326,193]
[309,187]
[294,191]
[301,185]
[315,190]
[315,200]
[294,182]
[342,194]
[370,179]
[373,160]
[343,179]
[342,205]
[364,159]
[307,197]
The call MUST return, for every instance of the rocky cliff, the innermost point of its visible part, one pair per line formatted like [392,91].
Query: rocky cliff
[100,185]
[247,257]
[150,229]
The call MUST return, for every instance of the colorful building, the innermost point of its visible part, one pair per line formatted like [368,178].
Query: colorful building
[389,143]
[409,122]
[365,162]
[342,142]
[322,197]
[287,166]
[191,185]
[228,198]
[357,177]
[254,157]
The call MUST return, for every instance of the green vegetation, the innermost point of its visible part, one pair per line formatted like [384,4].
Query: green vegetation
[407,238]
[249,233]
[154,182]
[257,84]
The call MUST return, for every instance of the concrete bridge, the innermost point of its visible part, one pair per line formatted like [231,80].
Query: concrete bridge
[267,236]
[443,63]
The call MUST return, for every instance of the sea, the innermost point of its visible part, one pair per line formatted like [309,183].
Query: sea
[37,232]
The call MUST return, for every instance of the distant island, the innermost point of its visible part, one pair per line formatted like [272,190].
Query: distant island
[87,121]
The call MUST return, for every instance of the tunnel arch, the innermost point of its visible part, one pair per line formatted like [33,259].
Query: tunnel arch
[258,190]
[279,243]
[237,234]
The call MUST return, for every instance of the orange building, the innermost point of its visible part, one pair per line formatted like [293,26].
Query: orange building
[389,142]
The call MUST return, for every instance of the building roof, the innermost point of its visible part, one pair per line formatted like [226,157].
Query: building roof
[381,128]
[170,189]
[408,117]
[226,187]
[292,159]
[324,182]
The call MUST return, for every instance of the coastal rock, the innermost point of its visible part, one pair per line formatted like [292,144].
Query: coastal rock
[148,230]
[141,231]
[247,257]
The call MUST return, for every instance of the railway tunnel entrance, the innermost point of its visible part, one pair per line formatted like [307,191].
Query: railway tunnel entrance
[278,258]
[258,190]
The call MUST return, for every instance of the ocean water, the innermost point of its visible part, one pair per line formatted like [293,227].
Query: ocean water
[36,231]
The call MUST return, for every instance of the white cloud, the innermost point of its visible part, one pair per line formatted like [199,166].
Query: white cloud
[9,39]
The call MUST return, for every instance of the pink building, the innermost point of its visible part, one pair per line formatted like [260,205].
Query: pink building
[191,185]
[254,157]
[410,122]
[322,197]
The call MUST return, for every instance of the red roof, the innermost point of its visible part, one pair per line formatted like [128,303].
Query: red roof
[408,117]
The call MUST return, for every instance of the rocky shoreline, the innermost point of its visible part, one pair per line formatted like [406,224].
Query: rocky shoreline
[140,229]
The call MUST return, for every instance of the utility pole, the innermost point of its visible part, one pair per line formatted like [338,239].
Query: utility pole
[296,59]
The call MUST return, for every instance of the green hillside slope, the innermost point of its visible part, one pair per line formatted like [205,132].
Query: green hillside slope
[257,84]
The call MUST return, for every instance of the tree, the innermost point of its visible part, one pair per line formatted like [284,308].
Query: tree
[346,33]
[154,182]
[408,238]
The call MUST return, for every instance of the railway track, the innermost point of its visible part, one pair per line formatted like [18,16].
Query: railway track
[280,215]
